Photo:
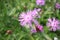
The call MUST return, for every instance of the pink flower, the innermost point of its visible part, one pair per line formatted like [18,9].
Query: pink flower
[53,24]
[28,18]
[25,19]
[34,13]
[39,27]
[40,2]
[57,5]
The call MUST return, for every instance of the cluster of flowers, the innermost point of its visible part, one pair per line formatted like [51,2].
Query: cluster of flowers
[28,18]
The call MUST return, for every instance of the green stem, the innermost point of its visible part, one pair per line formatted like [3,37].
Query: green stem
[27,36]
[46,36]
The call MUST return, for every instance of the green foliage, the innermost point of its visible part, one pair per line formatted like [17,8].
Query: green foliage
[9,13]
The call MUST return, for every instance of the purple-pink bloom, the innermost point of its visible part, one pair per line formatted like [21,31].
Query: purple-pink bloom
[53,24]
[40,2]
[57,6]
[33,30]
[34,13]
[39,27]
[25,19]
[28,18]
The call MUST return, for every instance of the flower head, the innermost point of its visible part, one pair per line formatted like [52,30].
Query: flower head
[57,6]
[34,13]
[39,27]
[40,2]
[28,18]
[53,24]
[25,19]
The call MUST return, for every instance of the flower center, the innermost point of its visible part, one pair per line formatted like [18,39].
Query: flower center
[28,18]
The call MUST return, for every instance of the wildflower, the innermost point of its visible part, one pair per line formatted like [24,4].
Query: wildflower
[57,5]
[53,24]
[34,13]
[28,18]
[25,19]
[40,2]
[38,26]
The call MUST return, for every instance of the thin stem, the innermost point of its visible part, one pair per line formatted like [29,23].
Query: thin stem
[46,36]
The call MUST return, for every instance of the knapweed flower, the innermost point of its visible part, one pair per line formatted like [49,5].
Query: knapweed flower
[38,26]
[57,5]
[28,18]
[25,19]
[34,13]
[53,24]
[40,2]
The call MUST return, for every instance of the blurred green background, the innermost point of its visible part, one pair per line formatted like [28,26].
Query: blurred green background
[10,28]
